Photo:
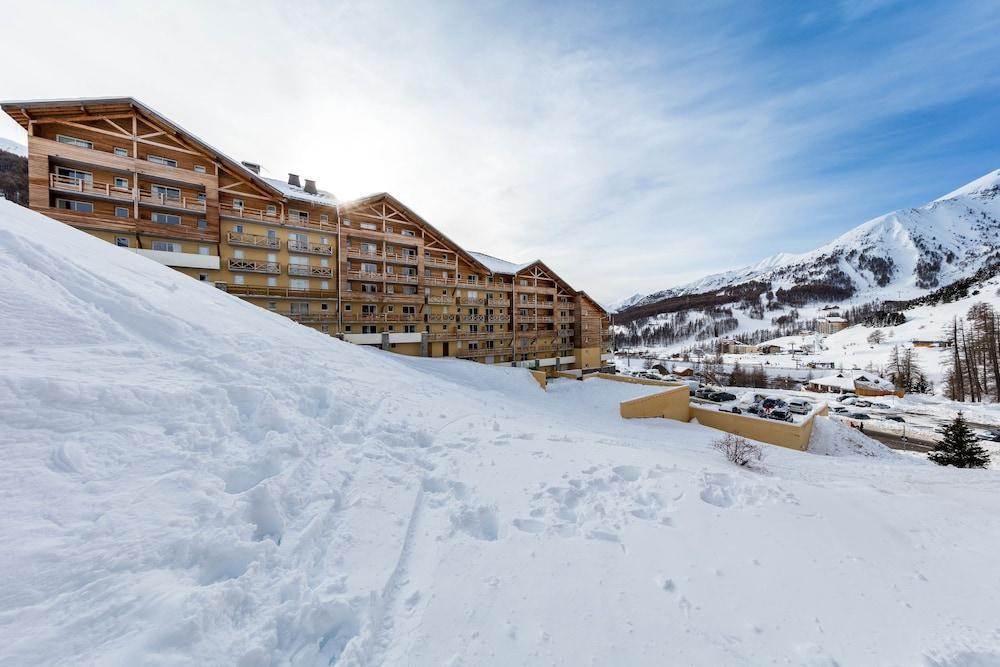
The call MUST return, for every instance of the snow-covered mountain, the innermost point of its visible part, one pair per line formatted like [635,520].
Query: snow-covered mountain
[902,254]
[190,479]
[13,147]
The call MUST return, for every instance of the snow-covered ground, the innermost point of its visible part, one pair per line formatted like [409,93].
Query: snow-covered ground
[189,479]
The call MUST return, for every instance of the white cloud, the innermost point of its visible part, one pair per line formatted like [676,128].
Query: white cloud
[627,163]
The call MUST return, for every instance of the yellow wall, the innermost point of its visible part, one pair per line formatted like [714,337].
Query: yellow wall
[587,357]
[783,434]
[540,378]
[670,404]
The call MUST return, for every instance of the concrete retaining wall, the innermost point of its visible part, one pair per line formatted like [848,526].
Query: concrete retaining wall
[672,403]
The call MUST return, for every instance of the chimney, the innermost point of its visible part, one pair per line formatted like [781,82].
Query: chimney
[255,168]
[293,179]
[311,187]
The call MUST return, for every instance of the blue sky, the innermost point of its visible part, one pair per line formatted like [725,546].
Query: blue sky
[633,147]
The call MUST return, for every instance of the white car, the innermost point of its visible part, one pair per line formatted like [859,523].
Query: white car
[799,406]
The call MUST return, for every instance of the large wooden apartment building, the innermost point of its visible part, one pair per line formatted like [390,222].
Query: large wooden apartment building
[371,270]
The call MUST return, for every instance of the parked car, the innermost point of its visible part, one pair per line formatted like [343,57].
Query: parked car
[841,410]
[849,400]
[992,436]
[844,397]
[780,414]
[861,403]
[722,397]
[894,418]
[799,406]
[731,408]
[859,415]
[881,406]
[705,392]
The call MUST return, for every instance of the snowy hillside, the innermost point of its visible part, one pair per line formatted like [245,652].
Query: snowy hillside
[13,147]
[899,255]
[189,479]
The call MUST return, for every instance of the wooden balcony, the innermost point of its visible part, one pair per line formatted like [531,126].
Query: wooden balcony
[253,240]
[395,297]
[497,303]
[401,278]
[367,276]
[253,266]
[363,317]
[472,318]
[281,292]
[440,282]
[82,186]
[161,200]
[466,301]
[310,271]
[294,245]
[361,254]
[545,319]
[321,317]
[245,213]
[502,319]
[399,258]
[439,299]
[439,263]
[404,239]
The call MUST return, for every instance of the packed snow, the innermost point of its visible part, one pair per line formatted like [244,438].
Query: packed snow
[189,479]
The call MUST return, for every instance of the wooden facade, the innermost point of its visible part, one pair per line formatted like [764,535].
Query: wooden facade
[370,271]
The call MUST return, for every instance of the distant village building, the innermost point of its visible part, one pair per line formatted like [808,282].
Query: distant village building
[769,348]
[821,365]
[730,346]
[931,343]
[830,325]
[683,371]
[863,384]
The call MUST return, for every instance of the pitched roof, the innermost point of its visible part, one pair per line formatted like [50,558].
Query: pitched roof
[497,265]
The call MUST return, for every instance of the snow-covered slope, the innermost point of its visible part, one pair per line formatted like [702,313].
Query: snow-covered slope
[13,147]
[189,479]
[899,255]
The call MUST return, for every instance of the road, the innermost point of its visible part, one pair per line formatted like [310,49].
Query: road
[898,442]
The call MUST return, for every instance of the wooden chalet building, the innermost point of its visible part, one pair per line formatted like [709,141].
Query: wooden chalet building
[370,271]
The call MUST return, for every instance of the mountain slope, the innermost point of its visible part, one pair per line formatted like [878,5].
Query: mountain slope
[14,147]
[902,254]
[189,479]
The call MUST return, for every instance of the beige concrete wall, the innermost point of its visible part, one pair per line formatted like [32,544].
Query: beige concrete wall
[632,380]
[540,378]
[673,403]
[783,434]
[587,357]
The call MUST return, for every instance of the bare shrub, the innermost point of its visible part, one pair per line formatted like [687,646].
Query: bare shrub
[739,450]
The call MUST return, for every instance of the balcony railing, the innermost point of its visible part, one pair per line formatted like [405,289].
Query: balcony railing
[310,270]
[472,318]
[467,301]
[401,258]
[438,299]
[364,254]
[83,186]
[439,317]
[401,278]
[439,282]
[246,213]
[438,262]
[281,292]
[403,298]
[253,240]
[161,199]
[312,317]
[295,245]
[497,303]
[253,266]
[363,275]
[503,319]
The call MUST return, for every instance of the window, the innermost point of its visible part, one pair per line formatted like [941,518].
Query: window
[301,216]
[165,161]
[392,327]
[324,284]
[165,192]
[369,288]
[409,310]
[299,307]
[347,222]
[84,176]
[299,283]
[237,203]
[272,209]
[201,197]
[121,212]
[409,328]
[238,229]
[121,241]
[347,307]
[407,232]
[78,206]
[323,217]
[369,248]
[121,152]
[324,306]
[272,235]
[368,309]
[202,223]
[73,141]
[121,183]
[369,329]
[409,289]
[204,250]
[272,281]
[238,280]
[166,246]
[165,218]
[199,168]
[272,305]
[203,277]
[524,283]
[369,268]
[369,225]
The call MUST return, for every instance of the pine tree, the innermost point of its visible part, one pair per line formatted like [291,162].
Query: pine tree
[959,447]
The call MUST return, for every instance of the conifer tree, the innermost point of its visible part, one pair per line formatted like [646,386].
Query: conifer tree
[959,447]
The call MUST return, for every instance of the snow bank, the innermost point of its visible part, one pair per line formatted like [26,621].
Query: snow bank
[191,479]
[832,438]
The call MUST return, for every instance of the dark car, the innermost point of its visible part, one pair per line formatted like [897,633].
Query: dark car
[844,397]
[895,418]
[859,415]
[722,396]
[731,408]
[780,414]
[840,410]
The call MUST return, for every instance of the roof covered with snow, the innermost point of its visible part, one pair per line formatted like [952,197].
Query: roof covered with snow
[293,192]
[497,265]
